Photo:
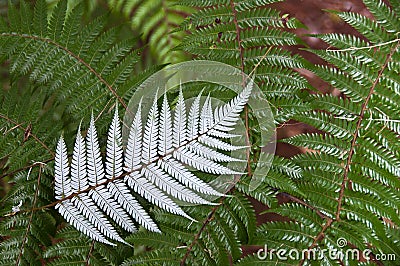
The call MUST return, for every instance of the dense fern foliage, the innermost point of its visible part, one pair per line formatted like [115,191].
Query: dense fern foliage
[343,189]
[346,185]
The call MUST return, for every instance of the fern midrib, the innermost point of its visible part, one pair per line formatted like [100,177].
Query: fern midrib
[364,107]
[358,127]
[26,167]
[242,66]
[72,54]
[197,236]
[90,253]
[28,227]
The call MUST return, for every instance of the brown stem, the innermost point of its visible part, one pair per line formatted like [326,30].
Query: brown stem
[90,253]
[246,114]
[28,228]
[197,236]
[26,167]
[358,127]
[246,109]
[18,125]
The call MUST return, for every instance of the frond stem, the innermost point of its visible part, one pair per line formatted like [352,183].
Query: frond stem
[363,48]
[358,127]
[197,236]
[28,228]
[90,253]
[26,167]
[18,125]
[246,109]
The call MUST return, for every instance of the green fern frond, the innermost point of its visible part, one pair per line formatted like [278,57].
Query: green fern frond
[321,143]
[73,61]
[24,231]
[75,248]
[350,172]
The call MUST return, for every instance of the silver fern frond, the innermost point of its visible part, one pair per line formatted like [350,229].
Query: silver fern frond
[155,165]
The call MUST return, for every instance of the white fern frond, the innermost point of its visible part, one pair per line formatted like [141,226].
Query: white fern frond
[184,176]
[82,204]
[211,154]
[200,163]
[221,134]
[155,165]
[165,145]
[193,123]
[100,194]
[112,208]
[218,144]
[122,194]
[133,152]
[206,116]
[118,189]
[92,213]
[228,114]
[150,135]
[164,181]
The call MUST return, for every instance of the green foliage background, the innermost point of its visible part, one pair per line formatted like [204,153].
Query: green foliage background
[61,64]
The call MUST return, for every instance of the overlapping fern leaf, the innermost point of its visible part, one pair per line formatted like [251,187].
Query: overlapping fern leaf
[155,165]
